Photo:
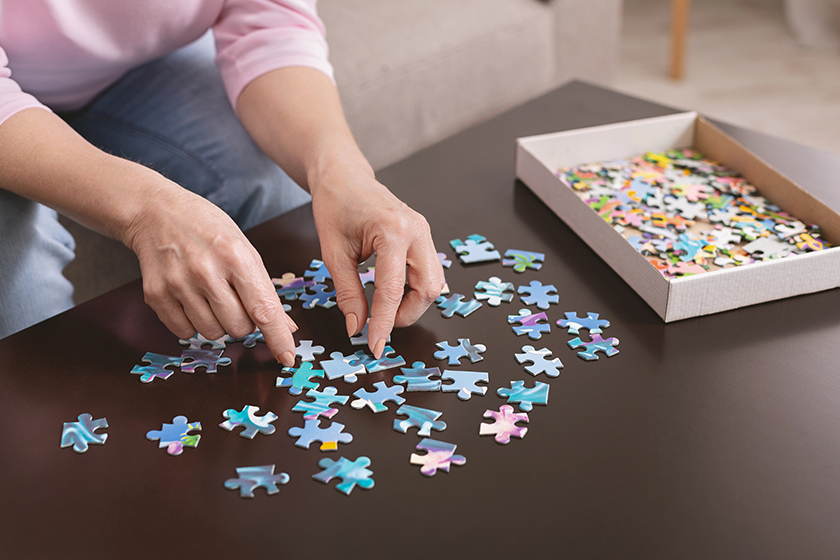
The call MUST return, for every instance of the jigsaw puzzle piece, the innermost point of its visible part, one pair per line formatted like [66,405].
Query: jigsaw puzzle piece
[83,432]
[200,341]
[251,478]
[538,295]
[465,383]
[290,287]
[208,359]
[319,296]
[329,437]
[307,351]
[529,324]
[539,361]
[361,339]
[495,291]
[451,305]
[248,419]
[376,400]
[317,271]
[301,378]
[322,405]
[176,436]
[475,249]
[607,346]
[157,368]
[372,365]
[444,262]
[504,426]
[574,323]
[439,456]
[339,366]
[523,260]
[250,340]
[526,397]
[419,378]
[422,418]
[352,473]
[368,277]
[464,349]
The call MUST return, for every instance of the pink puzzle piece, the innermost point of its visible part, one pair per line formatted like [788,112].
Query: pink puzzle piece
[505,424]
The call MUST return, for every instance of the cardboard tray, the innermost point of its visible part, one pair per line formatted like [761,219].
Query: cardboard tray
[538,157]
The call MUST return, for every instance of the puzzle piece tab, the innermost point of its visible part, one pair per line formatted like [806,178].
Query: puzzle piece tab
[539,361]
[157,368]
[526,397]
[574,323]
[475,249]
[464,349]
[419,378]
[176,436]
[82,433]
[607,346]
[451,305]
[464,382]
[495,291]
[523,260]
[352,473]
[439,456]
[329,437]
[251,478]
[208,359]
[529,324]
[423,418]
[248,419]
[301,378]
[504,426]
[376,400]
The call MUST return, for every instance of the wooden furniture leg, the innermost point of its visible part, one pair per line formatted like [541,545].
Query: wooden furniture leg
[679,29]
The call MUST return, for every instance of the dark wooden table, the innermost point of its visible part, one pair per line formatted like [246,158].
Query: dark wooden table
[715,437]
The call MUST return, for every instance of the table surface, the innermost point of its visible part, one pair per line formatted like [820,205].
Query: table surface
[711,437]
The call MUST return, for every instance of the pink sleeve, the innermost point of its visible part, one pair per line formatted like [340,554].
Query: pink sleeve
[254,37]
[12,98]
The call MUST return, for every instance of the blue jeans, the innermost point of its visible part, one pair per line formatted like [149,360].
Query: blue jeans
[171,115]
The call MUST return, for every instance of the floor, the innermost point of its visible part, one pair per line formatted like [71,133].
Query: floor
[742,66]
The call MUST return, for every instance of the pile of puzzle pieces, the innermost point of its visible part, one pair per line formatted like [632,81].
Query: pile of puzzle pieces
[688,214]
[319,402]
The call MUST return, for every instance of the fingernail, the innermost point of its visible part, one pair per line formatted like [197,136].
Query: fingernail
[352,325]
[287,359]
[378,348]
[292,325]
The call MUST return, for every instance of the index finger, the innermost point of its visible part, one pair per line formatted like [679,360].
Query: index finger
[264,308]
[387,297]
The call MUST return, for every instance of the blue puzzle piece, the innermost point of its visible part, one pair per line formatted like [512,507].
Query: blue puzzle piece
[319,296]
[208,359]
[596,344]
[176,436]
[376,400]
[329,437]
[453,304]
[250,340]
[526,397]
[339,366]
[352,473]
[475,249]
[574,323]
[538,294]
[251,478]
[423,418]
[157,368]
[495,291]
[419,378]
[81,433]
[539,361]
[688,247]
[248,419]
[464,349]
[290,287]
[439,456]
[464,382]
[317,271]
[372,365]
[301,378]
[200,341]
[529,324]
[523,260]
[322,405]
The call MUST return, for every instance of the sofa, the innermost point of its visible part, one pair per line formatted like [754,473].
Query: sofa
[413,72]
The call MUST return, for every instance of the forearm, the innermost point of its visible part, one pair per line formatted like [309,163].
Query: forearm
[295,116]
[43,159]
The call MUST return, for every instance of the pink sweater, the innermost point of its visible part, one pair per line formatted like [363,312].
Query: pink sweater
[62,53]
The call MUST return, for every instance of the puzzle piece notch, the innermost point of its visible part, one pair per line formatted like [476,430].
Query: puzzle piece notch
[591,323]
[607,346]
[529,324]
[248,419]
[301,378]
[538,294]
[307,351]
[176,436]
[464,349]
[81,433]
[317,271]
[199,341]
[504,426]
[464,382]
[539,361]
[157,368]
[251,478]
[339,366]
[419,378]
[439,456]
[352,473]
[208,359]
[376,400]
[424,419]
[526,397]
[322,405]
[372,365]
[329,437]
[475,249]
[523,260]
[453,304]
[319,296]
[495,291]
